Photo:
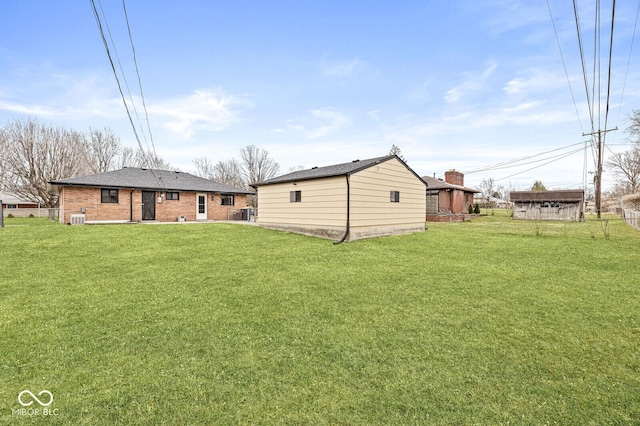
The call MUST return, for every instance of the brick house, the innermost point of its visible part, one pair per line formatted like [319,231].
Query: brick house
[449,199]
[137,194]
[17,206]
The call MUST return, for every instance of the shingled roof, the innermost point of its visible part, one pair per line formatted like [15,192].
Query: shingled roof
[566,195]
[330,171]
[440,184]
[151,179]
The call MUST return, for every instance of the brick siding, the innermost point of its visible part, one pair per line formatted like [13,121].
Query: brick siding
[129,206]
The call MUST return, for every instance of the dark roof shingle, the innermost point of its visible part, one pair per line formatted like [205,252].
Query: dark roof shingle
[440,184]
[555,195]
[329,171]
[160,180]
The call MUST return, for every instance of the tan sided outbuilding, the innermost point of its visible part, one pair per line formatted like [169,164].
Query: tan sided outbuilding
[346,202]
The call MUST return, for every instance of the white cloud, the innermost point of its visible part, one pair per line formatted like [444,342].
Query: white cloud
[209,110]
[374,114]
[536,80]
[473,83]
[341,68]
[324,121]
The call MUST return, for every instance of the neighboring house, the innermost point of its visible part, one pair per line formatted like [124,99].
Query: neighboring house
[137,194]
[449,199]
[361,199]
[565,205]
[491,202]
[15,205]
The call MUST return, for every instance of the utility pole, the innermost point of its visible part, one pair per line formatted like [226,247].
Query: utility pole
[598,177]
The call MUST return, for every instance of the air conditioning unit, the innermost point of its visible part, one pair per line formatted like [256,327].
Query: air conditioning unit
[77,219]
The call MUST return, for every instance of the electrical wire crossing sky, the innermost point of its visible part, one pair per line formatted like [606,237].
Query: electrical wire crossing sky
[503,89]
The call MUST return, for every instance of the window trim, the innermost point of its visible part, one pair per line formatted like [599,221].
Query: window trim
[227,196]
[295,196]
[394,196]
[109,198]
[11,207]
[172,196]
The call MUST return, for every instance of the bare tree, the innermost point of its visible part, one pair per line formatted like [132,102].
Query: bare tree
[634,126]
[295,169]
[3,166]
[127,158]
[228,172]
[204,167]
[35,153]
[103,148]
[132,157]
[257,165]
[395,150]
[626,167]
[152,160]
[487,188]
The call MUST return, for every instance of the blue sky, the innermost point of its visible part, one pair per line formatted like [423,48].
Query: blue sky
[460,84]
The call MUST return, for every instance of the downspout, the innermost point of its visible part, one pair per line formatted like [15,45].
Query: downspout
[131,206]
[346,231]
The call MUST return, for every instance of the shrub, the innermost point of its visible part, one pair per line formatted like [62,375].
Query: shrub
[31,215]
[476,209]
[9,216]
[470,209]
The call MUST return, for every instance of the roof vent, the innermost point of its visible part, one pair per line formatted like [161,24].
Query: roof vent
[355,161]
[314,167]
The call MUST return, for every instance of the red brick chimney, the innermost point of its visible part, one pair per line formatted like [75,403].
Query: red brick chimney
[454,177]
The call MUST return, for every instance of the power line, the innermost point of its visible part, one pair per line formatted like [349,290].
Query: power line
[584,69]
[113,68]
[624,84]
[613,14]
[135,62]
[560,157]
[513,163]
[144,153]
[124,76]
[564,65]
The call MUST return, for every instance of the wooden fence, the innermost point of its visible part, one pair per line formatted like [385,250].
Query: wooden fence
[28,212]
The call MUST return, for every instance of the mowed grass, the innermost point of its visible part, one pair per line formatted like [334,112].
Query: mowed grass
[492,321]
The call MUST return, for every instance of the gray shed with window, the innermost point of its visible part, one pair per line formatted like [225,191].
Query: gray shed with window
[564,205]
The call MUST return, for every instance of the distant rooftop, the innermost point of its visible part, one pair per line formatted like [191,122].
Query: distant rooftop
[555,195]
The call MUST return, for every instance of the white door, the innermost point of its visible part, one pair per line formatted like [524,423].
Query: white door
[201,206]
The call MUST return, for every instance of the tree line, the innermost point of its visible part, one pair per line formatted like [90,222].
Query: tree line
[626,165]
[33,153]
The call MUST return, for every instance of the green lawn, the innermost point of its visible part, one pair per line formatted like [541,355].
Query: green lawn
[492,321]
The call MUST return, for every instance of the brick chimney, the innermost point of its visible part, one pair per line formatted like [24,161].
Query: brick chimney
[454,177]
